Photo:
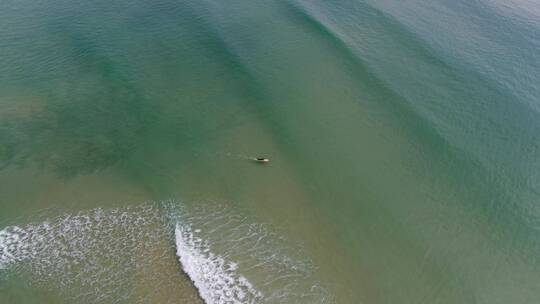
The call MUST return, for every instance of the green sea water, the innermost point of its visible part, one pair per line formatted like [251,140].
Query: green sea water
[404,139]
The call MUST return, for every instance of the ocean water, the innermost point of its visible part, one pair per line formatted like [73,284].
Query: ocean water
[404,139]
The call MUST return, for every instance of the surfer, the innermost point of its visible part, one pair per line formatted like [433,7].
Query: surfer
[261,160]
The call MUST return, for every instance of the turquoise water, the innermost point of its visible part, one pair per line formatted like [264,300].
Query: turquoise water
[404,139]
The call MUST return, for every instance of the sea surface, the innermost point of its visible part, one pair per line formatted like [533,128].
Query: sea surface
[403,138]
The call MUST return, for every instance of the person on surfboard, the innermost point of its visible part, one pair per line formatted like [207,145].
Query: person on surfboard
[261,160]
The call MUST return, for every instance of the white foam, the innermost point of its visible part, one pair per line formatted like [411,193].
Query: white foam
[94,256]
[88,256]
[216,279]
[12,246]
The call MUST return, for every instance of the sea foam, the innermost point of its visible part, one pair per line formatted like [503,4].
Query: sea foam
[215,278]
[89,256]
[13,245]
[96,256]
[232,258]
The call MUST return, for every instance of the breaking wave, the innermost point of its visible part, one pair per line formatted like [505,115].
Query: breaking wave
[215,278]
[127,254]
